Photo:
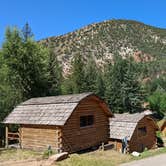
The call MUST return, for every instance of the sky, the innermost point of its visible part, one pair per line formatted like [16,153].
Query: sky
[56,17]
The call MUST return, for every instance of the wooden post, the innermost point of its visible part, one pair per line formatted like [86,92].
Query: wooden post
[6,139]
[20,134]
[59,132]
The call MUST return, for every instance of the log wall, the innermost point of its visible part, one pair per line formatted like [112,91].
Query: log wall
[38,137]
[139,143]
[75,138]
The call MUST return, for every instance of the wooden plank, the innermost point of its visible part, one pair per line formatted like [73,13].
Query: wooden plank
[39,137]
[6,139]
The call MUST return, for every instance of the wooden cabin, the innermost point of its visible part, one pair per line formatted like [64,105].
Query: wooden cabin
[138,128]
[163,128]
[64,123]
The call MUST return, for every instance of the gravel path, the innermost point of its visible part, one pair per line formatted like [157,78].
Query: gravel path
[159,160]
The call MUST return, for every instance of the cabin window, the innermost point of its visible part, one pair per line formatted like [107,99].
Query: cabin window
[86,120]
[142,131]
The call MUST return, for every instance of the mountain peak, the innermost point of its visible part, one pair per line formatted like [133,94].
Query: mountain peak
[103,40]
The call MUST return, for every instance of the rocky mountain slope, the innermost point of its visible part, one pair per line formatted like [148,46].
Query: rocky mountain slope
[103,40]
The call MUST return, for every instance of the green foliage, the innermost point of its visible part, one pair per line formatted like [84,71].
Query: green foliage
[99,84]
[157,84]
[9,96]
[54,74]
[160,142]
[78,74]
[26,63]
[123,90]
[47,153]
[27,32]
[90,71]
[27,69]
[158,102]
[84,78]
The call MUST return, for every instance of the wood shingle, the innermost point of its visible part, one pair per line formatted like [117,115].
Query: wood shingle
[54,110]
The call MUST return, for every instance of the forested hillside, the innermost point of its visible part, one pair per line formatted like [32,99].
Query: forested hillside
[124,62]
[102,41]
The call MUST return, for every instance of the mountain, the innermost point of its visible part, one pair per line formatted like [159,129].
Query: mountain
[103,40]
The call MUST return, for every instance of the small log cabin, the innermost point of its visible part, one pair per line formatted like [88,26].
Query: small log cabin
[66,123]
[139,129]
[163,128]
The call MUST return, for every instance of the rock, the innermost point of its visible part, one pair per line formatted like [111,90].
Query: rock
[59,156]
[135,154]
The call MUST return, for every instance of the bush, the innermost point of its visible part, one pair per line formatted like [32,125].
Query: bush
[48,152]
[160,142]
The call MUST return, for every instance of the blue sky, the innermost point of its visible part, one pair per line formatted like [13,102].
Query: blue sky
[56,17]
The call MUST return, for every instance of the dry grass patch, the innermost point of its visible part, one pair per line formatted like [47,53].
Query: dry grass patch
[18,154]
[105,158]
[96,158]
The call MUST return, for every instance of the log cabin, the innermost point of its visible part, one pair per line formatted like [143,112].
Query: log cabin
[64,123]
[163,128]
[139,129]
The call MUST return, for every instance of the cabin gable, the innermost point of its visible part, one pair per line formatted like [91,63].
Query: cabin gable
[144,135]
[76,136]
[139,130]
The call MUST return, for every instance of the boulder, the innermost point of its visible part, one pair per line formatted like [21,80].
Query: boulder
[59,156]
[135,154]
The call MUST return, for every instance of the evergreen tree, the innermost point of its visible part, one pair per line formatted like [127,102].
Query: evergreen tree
[99,85]
[55,74]
[26,62]
[131,91]
[78,74]
[123,91]
[27,32]
[90,75]
[9,96]
[157,102]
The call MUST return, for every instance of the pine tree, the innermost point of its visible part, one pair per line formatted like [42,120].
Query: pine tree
[123,91]
[78,74]
[27,32]
[132,91]
[99,85]
[26,62]
[55,74]
[90,75]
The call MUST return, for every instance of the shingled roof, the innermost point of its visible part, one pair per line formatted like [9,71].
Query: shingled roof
[54,110]
[123,125]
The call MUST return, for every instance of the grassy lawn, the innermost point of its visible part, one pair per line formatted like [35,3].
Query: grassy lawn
[95,158]
[106,158]
[149,153]
[17,155]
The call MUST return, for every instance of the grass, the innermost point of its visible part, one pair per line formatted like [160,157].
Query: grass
[153,152]
[95,158]
[106,158]
[17,154]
